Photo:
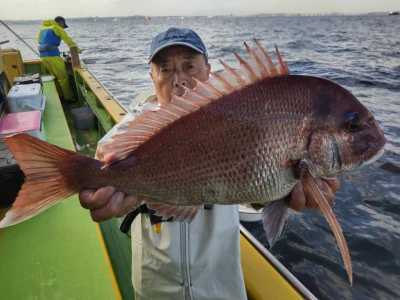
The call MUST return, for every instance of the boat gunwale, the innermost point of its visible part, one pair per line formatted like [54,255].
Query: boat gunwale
[278,266]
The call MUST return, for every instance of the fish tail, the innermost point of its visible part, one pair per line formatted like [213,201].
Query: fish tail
[46,183]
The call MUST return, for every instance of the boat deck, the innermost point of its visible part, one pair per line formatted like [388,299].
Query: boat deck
[63,254]
[75,261]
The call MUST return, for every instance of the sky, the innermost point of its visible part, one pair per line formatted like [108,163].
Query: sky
[48,9]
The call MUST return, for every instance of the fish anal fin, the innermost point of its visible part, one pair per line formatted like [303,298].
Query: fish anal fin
[310,186]
[179,213]
[274,215]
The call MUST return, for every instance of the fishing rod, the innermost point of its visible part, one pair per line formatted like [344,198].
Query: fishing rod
[34,51]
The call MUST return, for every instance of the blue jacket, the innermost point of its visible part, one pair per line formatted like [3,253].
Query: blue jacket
[49,38]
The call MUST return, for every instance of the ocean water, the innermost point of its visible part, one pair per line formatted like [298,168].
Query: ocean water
[360,52]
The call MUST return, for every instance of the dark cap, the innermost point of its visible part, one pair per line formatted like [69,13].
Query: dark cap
[60,19]
[177,36]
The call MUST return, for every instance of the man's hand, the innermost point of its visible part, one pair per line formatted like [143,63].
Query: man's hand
[298,199]
[105,203]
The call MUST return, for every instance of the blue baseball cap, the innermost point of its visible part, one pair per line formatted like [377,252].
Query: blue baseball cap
[177,36]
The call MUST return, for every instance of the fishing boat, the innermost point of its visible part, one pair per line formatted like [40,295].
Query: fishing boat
[62,253]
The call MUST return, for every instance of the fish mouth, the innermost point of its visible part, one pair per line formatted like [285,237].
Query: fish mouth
[373,158]
[369,159]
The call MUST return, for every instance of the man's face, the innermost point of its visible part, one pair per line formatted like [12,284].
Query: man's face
[174,67]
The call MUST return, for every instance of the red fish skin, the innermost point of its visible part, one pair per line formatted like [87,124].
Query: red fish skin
[240,148]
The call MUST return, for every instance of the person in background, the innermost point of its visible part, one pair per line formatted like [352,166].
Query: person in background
[200,260]
[49,38]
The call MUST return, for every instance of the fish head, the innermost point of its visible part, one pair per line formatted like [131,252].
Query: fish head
[344,134]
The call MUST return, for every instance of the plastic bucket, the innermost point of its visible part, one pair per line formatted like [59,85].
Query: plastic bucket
[84,117]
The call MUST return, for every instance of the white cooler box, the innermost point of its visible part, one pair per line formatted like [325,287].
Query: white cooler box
[26,97]
[29,122]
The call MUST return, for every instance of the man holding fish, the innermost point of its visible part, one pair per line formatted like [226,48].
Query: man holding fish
[255,134]
[201,259]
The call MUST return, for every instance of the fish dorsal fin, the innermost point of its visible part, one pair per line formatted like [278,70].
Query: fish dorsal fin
[132,134]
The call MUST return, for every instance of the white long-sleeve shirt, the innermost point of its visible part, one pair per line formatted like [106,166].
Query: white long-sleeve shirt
[200,260]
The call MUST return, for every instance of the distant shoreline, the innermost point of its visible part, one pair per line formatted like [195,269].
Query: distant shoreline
[218,16]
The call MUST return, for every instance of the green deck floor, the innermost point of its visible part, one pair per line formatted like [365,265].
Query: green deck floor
[58,254]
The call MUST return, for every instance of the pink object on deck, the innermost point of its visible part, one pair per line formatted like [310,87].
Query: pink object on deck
[20,122]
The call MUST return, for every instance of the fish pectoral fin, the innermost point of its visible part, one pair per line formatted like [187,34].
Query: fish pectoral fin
[179,213]
[274,215]
[310,185]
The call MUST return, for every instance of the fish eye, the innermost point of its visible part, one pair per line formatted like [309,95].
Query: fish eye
[353,122]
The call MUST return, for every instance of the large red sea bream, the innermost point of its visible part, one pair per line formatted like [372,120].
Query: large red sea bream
[245,135]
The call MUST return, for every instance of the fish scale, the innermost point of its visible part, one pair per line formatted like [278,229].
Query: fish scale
[213,157]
